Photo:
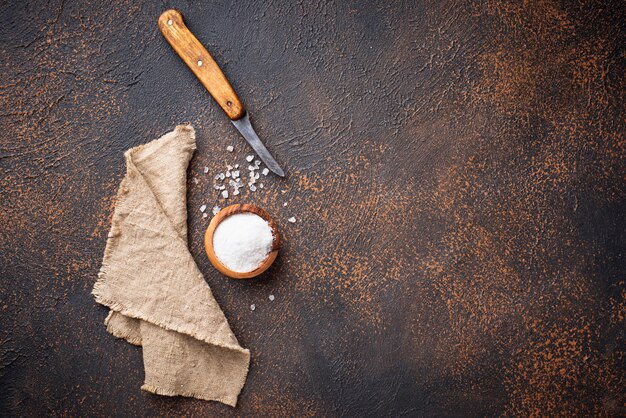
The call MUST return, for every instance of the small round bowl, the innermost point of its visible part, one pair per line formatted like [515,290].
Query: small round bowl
[223,214]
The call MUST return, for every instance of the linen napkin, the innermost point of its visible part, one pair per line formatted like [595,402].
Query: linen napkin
[157,295]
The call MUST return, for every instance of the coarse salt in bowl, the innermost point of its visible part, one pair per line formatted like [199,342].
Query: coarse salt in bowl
[242,241]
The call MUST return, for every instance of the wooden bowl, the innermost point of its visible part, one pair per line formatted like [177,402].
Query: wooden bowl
[223,214]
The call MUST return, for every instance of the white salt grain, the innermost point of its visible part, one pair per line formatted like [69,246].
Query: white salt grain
[266,171]
[236,192]
[285,204]
[292,220]
[230,148]
[253,187]
[202,208]
[252,307]
[249,158]
[206,170]
[243,241]
[261,185]
[216,209]
[204,215]
[225,194]
[271,298]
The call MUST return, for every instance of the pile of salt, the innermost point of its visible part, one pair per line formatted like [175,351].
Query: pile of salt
[243,241]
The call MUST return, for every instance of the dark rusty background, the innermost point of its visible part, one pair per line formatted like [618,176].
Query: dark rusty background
[457,170]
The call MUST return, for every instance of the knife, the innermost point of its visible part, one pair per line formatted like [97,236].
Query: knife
[213,79]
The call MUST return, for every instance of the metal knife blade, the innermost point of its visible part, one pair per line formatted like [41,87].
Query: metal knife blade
[245,128]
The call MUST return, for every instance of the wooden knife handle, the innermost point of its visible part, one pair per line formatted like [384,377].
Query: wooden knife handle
[200,62]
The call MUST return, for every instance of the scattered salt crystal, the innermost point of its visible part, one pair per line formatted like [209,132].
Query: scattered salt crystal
[271,298]
[217,177]
[216,209]
[257,175]
[216,186]
[236,165]
[204,215]
[249,158]
[292,220]
[260,185]
[252,307]
[285,204]
[242,241]
[202,208]
[283,191]
[253,187]
[266,171]
[228,174]
[230,148]
[257,163]
[228,167]
[225,194]
[206,170]
[251,168]
[236,192]
[222,176]
[235,174]
[195,180]
[222,187]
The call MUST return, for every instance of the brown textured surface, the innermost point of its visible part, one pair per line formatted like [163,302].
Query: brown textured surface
[457,171]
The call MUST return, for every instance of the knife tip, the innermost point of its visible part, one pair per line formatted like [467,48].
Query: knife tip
[279,171]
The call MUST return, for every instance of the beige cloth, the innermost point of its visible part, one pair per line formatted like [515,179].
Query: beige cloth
[158,297]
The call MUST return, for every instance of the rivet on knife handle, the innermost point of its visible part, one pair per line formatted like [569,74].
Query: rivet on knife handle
[200,62]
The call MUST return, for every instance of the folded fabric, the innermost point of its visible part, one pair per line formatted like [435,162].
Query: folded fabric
[157,295]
